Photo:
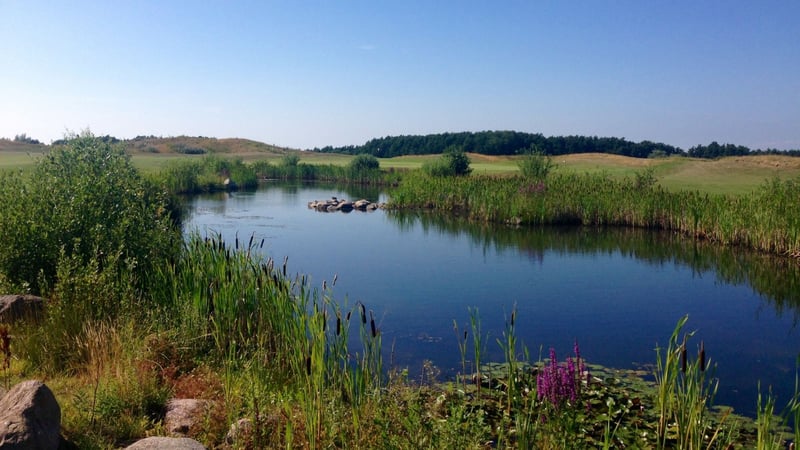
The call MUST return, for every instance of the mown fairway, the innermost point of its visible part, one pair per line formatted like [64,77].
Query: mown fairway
[730,175]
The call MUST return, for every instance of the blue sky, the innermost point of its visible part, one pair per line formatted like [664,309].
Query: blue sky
[305,74]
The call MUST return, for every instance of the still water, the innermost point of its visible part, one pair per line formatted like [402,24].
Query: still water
[618,293]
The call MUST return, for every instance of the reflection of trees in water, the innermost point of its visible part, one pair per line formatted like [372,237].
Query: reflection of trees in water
[352,191]
[775,278]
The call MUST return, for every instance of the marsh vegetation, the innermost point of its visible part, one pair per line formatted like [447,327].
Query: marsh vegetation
[139,314]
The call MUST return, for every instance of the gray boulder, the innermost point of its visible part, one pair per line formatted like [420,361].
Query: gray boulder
[30,417]
[184,416]
[19,307]
[166,443]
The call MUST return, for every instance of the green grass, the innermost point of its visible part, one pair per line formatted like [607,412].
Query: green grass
[17,160]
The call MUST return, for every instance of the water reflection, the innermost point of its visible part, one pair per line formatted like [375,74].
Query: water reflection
[775,278]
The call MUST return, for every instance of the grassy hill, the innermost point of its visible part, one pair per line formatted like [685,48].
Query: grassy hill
[200,145]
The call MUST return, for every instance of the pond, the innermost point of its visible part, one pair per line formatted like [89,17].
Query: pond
[619,293]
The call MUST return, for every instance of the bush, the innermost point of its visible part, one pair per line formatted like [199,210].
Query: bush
[290,160]
[83,201]
[364,167]
[453,162]
[536,165]
[364,162]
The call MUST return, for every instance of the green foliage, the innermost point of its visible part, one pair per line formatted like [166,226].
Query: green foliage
[290,160]
[767,219]
[187,176]
[453,162]
[502,143]
[536,165]
[84,200]
[685,395]
[24,138]
[363,162]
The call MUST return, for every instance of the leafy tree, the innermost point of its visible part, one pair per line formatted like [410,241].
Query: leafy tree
[24,138]
[501,143]
[458,161]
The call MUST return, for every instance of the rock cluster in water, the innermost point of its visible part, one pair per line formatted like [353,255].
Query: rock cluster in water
[335,204]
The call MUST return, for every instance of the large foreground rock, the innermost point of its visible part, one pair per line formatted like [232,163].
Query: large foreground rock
[166,443]
[20,307]
[184,416]
[30,417]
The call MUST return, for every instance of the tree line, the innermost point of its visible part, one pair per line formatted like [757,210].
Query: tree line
[716,150]
[515,143]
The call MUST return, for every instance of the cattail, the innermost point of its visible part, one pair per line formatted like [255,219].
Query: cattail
[348,315]
[262,243]
[363,313]
[683,358]
[372,324]
[324,319]
[285,261]
[308,365]
[250,244]
[5,346]
[513,316]
[335,277]
[338,323]
[702,357]
[236,240]
[465,335]
[324,285]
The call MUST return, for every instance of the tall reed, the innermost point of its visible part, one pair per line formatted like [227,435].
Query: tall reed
[765,220]
[685,393]
[242,306]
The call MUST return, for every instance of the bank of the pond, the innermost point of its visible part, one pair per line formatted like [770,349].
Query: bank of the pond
[214,174]
[766,220]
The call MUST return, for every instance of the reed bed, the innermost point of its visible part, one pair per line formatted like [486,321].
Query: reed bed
[766,220]
[188,176]
[243,307]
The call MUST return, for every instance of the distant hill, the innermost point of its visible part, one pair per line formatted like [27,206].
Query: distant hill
[199,145]
[190,145]
[7,145]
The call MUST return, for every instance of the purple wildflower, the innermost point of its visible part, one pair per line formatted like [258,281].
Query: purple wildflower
[560,384]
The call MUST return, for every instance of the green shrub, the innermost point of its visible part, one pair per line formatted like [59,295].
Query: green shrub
[364,167]
[290,160]
[364,162]
[453,162]
[83,201]
[536,165]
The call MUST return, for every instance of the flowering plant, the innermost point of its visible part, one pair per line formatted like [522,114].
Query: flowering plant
[560,384]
